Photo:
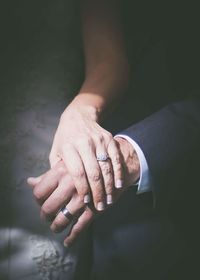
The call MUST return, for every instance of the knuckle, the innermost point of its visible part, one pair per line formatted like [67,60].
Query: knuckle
[116,160]
[106,170]
[94,176]
[78,173]
[84,141]
[81,192]
[80,198]
[99,138]
[109,135]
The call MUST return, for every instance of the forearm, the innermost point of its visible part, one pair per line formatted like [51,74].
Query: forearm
[106,63]
[102,88]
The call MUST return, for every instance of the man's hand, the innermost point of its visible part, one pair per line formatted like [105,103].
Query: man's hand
[131,164]
[55,189]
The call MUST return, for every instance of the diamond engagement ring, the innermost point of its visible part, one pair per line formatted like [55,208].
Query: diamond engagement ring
[102,157]
[66,213]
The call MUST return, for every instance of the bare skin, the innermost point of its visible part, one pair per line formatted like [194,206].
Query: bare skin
[76,178]
[55,189]
[79,136]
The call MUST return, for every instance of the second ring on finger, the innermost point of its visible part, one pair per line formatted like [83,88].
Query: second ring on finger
[67,214]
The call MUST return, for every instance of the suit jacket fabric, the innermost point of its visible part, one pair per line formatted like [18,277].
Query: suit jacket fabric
[167,128]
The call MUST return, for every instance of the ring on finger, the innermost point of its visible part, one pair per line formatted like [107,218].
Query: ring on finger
[67,213]
[102,157]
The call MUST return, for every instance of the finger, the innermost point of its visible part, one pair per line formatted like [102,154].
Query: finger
[74,207]
[107,172]
[83,222]
[116,160]
[76,169]
[88,154]
[108,179]
[60,197]
[49,183]
[32,181]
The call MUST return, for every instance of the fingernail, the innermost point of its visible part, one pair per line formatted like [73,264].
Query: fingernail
[66,245]
[109,199]
[87,198]
[119,184]
[100,206]
[55,229]
[31,181]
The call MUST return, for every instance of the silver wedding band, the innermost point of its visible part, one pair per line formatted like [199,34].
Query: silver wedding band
[66,213]
[102,157]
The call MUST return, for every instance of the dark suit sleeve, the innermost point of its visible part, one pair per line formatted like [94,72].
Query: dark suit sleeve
[170,140]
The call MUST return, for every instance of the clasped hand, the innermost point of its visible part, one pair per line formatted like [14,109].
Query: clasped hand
[76,179]
[79,141]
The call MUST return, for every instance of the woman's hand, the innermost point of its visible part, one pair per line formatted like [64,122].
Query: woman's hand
[79,141]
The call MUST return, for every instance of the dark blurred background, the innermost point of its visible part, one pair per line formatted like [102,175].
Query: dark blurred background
[40,71]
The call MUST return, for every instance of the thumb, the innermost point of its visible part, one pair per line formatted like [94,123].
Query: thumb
[32,181]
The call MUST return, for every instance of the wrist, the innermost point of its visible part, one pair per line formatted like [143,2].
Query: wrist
[131,164]
[80,107]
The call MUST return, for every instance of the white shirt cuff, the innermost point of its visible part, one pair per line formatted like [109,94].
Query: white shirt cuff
[144,183]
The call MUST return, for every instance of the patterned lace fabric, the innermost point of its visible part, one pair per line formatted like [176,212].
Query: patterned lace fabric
[40,71]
